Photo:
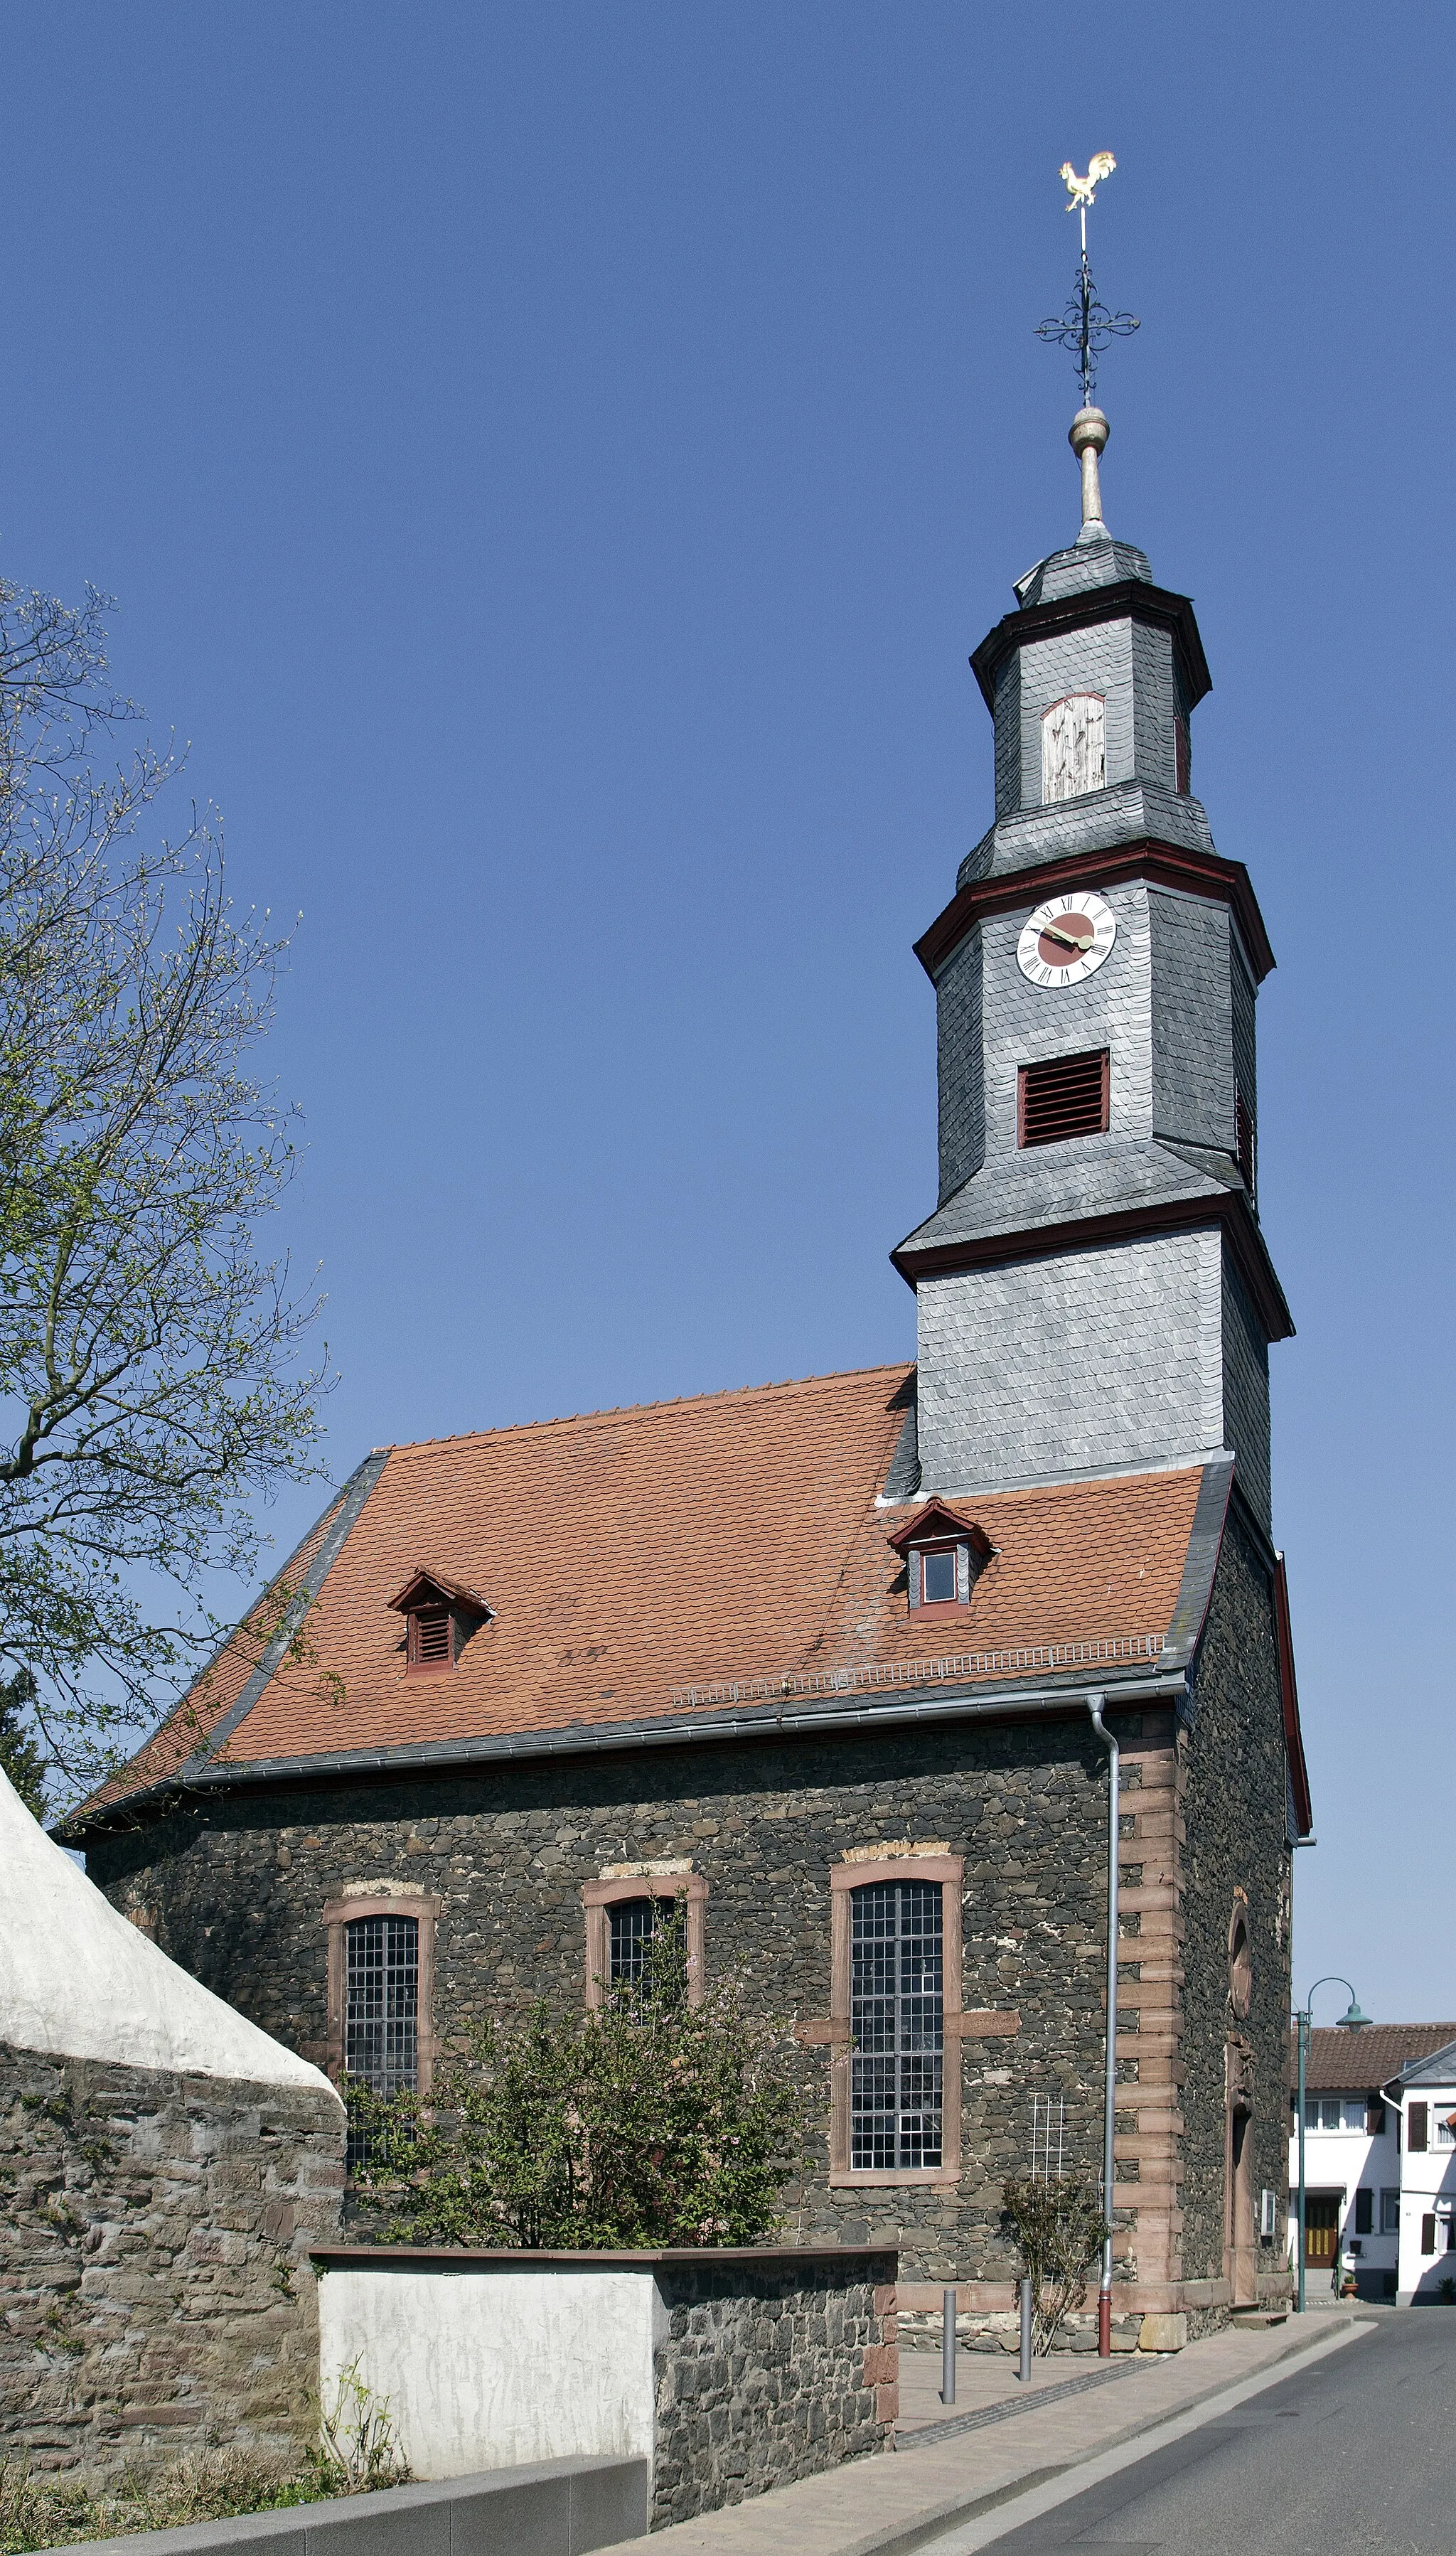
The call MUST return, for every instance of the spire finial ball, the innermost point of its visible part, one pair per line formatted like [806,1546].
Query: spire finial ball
[1088,431]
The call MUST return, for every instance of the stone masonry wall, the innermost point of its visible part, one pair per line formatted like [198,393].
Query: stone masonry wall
[237,1884]
[1233,1810]
[157,2293]
[762,2379]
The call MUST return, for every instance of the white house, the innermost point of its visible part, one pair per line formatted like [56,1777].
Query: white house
[1372,2201]
[1425,2106]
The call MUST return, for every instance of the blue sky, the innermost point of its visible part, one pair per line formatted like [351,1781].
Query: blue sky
[555,463]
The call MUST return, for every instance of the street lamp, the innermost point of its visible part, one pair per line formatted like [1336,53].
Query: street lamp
[1349,2021]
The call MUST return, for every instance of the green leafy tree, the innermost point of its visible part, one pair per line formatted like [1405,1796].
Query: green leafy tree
[149,1382]
[19,1754]
[651,2122]
[1058,2230]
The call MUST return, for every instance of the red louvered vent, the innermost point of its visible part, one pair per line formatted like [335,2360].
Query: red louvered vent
[430,1637]
[1243,1139]
[1067,1095]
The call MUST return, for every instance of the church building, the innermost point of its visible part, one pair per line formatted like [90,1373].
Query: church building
[836,1660]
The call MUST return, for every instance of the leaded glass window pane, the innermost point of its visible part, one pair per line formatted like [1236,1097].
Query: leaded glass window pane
[633,1922]
[896,2024]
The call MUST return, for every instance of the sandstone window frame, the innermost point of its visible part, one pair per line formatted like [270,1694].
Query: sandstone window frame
[950,1872]
[339,1913]
[598,1897]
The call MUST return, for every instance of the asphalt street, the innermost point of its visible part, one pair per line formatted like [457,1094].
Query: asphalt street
[1353,2457]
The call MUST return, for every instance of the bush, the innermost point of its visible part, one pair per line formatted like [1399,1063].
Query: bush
[1058,2230]
[651,2121]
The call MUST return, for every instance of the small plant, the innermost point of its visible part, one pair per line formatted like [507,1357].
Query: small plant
[1058,2230]
[47,2511]
[1446,2291]
[358,2447]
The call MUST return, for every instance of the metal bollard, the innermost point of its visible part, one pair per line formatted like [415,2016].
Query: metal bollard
[948,2347]
[1024,2372]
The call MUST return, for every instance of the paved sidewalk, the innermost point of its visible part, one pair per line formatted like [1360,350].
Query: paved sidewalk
[1000,2441]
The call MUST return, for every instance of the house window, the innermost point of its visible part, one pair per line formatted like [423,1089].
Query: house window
[1389,2214]
[1062,1096]
[938,1576]
[1364,2211]
[895,2018]
[897,2025]
[944,1555]
[622,1913]
[381,1987]
[1073,747]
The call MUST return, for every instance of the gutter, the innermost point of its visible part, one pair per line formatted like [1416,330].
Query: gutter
[916,1707]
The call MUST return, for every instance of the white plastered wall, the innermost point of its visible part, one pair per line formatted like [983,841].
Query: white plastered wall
[496,2370]
[78,1981]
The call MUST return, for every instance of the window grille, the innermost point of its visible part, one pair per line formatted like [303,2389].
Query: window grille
[896,2024]
[633,1923]
[1065,1096]
[382,2036]
[430,1637]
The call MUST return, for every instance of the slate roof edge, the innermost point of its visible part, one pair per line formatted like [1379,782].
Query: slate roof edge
[344,1509]
[1229,1209]
[770,1721]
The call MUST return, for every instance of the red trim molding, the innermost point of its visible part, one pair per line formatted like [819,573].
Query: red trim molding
[1171,1215]
[598,1897]
[1162,864]
[949,1872]
[1131,599]
[1289,1696]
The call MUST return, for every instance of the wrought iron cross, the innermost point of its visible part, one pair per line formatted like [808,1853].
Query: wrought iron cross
[1086,326]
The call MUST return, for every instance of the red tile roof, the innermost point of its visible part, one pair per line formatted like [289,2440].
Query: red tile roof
[1350,2063]
[630,1555]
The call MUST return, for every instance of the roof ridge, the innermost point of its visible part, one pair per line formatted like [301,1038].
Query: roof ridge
[646,1410]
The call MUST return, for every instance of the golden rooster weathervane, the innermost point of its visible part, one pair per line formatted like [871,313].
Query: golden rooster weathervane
[1085,327]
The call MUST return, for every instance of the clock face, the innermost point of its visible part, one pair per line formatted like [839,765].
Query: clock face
[1066,939]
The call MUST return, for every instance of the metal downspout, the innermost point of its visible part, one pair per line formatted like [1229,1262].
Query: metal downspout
[1095,1705]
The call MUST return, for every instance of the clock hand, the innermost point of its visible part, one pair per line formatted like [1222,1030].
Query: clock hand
[1053,932]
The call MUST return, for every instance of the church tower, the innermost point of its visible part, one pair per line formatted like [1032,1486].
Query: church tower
[1095,1295]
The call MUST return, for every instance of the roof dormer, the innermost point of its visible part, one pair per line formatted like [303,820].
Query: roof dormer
[944,1556]
[440,1616]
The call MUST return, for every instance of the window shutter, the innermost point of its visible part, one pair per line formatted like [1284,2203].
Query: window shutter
[1416,2130]
[1064,1096]
[1429,2232]
[430,1630]
[1364,2212]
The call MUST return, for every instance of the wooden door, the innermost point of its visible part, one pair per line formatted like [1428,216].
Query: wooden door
[1321,2230]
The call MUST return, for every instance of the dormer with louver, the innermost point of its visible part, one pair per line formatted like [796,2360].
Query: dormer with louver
[440,1616]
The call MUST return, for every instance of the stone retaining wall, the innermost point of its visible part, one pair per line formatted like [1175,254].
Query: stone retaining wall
[156,2293]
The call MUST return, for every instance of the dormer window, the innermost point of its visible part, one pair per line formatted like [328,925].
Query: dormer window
[440,1616]
[944,1556]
